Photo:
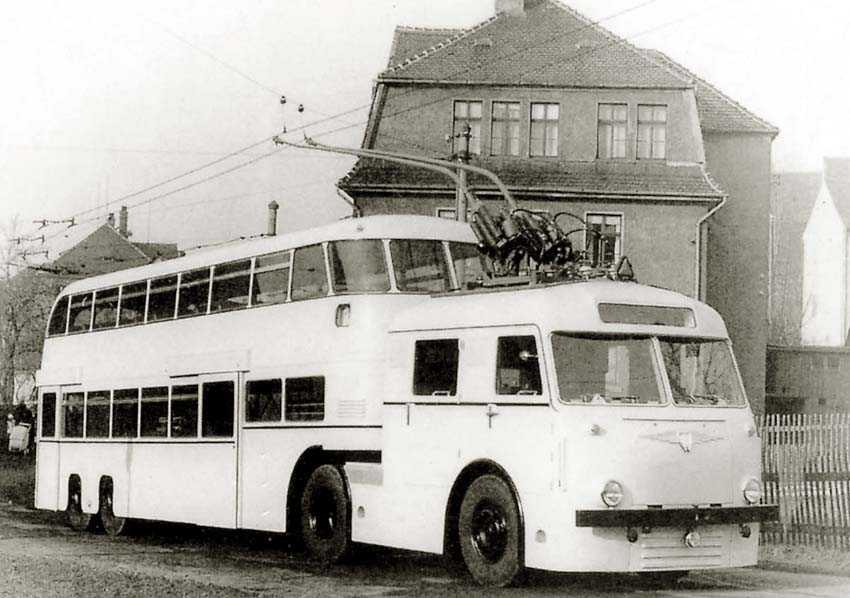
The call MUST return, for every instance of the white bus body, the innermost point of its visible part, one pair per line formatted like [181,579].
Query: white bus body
[410,397]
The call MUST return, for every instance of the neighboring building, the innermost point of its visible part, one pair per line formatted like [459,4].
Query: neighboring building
[808,379]
[791,203]
[826,310]
[82,251]
[575,119]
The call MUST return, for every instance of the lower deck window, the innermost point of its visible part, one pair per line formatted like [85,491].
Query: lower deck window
[263,400]
[125,413]
[184,411]
[435,367]
[48,415]
[72,414]
[154,412]
[217,409]
[97,414]
[305,399]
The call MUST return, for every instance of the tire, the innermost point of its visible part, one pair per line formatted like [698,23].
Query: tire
[76,518]
[662,578]
[326,515]
[490,532]
[109,521]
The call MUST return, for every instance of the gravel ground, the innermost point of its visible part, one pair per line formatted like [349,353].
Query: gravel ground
[804,559]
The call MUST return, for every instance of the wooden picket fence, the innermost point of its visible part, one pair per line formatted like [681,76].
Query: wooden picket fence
[806,460]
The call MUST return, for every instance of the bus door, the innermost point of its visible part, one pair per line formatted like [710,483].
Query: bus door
[47,455]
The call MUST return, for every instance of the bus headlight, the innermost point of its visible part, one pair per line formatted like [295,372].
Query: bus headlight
[612,493]
[753,491]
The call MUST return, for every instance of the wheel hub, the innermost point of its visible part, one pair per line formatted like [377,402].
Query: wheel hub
[489,531]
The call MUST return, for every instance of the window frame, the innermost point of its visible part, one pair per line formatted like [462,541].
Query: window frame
[652,126]
[454,130]
[612,123]
[546,120]
[504,122]
[618,251]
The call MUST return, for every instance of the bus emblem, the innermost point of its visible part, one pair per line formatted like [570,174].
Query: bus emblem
[685,440]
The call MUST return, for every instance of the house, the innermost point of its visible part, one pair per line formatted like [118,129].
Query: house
[658,163]
[791,203]
[83,250]
[826,310]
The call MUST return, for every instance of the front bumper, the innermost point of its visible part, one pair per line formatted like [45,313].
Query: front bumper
[675,517]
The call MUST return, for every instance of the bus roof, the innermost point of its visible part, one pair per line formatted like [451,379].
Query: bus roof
[571,306]
[371,227]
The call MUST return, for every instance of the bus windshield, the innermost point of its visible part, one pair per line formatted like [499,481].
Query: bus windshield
[701,372]
[606,370]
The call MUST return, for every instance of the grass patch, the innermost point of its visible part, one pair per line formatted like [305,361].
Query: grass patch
[17,478]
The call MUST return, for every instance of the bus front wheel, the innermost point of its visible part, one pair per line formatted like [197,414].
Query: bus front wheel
[489,532]
[76,517]
[325,515]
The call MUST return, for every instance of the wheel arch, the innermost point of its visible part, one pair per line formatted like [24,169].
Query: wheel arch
[310,459]
[466,476]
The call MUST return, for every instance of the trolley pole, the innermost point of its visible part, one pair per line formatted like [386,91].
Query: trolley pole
[463,157]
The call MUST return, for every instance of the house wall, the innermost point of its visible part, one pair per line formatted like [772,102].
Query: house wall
[419,119]
[824,276]
[808,380]
[658,238]
[737,261]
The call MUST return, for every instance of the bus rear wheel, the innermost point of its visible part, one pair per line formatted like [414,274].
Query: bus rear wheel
[111,523]
[325,515]
[74,514]
[489,532]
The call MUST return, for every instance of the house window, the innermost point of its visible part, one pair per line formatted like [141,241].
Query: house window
[611,131]
[544,130]
[603,237]
[504,131]
[466,113]
[652,132]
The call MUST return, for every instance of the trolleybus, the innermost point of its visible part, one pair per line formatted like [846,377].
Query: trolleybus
[362,382]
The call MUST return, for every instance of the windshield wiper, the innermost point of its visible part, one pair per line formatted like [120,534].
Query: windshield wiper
[705,399]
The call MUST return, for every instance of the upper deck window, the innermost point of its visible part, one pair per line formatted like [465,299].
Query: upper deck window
[230,286]
[358,266]
[105,308]
[79,317]
[701,372]
[518,366]
[163,298]
[271,278]
[59,318]
[309,279]
[133,299]
[194,293]
[603,370]
[420,265]
[650,315]
[435,365]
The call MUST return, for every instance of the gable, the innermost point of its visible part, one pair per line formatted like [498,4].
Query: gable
[410,41]
[836,179]
[825,219]
[550,44]
[104,250]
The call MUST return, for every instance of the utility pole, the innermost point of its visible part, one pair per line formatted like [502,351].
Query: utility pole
[463,157]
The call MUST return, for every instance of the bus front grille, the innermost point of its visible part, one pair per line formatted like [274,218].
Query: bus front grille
[665,549]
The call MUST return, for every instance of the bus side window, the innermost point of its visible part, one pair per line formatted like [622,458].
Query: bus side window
[48,415]
[217,409]
[162,299]
[106,308]
[72,414]
[125,413]
[518,367]
[79,319]
[230,286]
[309,279]
[154,414]
[59,318]
[305,399]
[420,266]
[97,414]
[263,400]
[435,367]
[271,279]
[358,266]
[194,293]
[132,310]
[184,411]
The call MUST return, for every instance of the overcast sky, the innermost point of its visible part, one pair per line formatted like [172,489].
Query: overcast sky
[104,98]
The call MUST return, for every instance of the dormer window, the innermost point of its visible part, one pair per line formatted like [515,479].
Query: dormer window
[504,134]
[652,132]
[466,113]
[611,131]
[544,130]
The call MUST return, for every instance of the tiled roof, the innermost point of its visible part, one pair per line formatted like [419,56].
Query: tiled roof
[836,177]
[635,180]
[551,44]
[717,111]
[410,41]
[158,251]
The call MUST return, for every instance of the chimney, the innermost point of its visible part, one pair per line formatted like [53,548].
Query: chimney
[110,219]
[272,225]
[122,223]
[514,8]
